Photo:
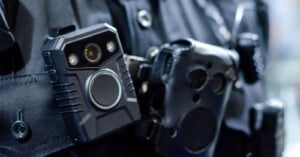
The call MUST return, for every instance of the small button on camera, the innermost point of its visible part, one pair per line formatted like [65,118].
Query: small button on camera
[48,59]
[104,89]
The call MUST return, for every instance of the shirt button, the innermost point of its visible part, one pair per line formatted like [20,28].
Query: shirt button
[144,18]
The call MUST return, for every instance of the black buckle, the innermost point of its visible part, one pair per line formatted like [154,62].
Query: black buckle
[149,130]
[57,31]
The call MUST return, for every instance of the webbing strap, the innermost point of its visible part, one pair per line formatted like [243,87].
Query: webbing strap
[216,22]
[6,37]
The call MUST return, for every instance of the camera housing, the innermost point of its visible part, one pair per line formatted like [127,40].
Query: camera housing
[186,91]
[91,82]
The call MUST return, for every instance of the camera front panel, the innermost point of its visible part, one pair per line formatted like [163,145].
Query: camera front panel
[92,51]
[92,86]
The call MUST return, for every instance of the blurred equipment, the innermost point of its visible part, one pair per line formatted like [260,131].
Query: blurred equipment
[251,59]
[183,91]
[6,37]
[267,126]
[10,57]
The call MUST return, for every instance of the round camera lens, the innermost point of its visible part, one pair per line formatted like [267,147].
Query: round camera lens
[92,52]
[197,78]
[218,83]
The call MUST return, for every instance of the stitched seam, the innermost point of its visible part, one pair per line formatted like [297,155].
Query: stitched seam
[17,80]
[36,148]
[27,83]
[22,76]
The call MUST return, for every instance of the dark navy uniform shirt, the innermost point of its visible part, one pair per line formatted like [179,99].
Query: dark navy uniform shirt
[142,24]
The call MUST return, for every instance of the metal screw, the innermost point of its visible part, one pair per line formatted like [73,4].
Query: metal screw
[238,84]
[19,128]
[152,53]
[230,73]
[144,18]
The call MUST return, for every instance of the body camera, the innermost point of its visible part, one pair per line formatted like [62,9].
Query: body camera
[188,89]
[91,83]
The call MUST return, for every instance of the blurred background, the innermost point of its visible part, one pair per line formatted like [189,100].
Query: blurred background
[283,71]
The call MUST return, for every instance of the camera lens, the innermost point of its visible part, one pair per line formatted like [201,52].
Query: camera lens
[92,52]
[218,84]
[197,78]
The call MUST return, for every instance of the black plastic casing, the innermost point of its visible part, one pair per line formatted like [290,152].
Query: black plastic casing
[85,121]
[192,112]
